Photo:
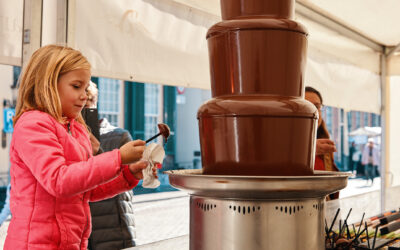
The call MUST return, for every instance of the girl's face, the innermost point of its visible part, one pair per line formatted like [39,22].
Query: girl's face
[72,90]
[314,99]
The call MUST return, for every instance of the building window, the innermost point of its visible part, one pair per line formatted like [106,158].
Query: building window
[16,73]
[109,100]
[358,123]
[152,109]
[349,121]
[328,119]
[366,120]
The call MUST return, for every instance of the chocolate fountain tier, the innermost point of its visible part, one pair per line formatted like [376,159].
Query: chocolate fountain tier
[232,9]
[257,56]
[257,212]
[258,122]
[257,135]
[258,105]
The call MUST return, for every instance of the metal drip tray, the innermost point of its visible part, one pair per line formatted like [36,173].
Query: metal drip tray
[258,187]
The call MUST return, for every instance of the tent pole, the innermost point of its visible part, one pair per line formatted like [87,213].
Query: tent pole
[391,52]
[32,29]
[70,23]
[38,14]
[62,13]
[385,118]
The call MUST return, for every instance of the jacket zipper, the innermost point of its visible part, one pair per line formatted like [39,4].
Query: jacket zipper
[70,132]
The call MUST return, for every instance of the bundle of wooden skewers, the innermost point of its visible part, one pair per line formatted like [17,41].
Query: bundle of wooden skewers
[378,232]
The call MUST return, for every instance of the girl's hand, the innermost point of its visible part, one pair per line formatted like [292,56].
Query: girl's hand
[132,151]
[137,169]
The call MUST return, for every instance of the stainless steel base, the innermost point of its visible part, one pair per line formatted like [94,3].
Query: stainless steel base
[257,212]
[263,224]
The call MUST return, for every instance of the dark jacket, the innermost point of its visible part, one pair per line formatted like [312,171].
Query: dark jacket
[113,225]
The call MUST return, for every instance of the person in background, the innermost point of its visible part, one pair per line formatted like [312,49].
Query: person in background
[53,172]
[370,160]
[352,154]
[91,103]
[113,224]
[324,146]
[92,95]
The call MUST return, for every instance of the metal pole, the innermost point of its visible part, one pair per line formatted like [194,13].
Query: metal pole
[384,125]
[62,21]
[32,28]
[70,19]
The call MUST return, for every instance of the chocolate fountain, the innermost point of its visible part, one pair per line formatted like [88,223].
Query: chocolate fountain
[258,122]
[257,188]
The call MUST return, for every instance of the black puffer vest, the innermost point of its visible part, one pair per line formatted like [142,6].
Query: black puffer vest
[113,225]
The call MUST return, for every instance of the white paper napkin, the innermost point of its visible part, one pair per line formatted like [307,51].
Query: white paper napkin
[154,153]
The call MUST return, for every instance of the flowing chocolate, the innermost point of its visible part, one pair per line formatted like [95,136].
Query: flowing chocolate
[257,122]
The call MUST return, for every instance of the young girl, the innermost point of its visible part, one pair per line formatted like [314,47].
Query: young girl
[53,173]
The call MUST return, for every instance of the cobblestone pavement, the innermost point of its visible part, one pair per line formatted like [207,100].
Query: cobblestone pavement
[162,219]
[161,216]
[359,186]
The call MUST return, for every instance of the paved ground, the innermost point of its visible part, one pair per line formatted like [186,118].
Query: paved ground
[162,216]
[359,186]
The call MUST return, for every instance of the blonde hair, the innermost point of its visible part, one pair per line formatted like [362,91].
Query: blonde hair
[38,85]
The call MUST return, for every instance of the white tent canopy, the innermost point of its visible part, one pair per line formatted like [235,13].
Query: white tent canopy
[163,41]
[366,131]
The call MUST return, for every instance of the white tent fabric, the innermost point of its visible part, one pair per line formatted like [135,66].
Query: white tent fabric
[148,41]
[375,18]
[394,66]
[338,81]
[11,31]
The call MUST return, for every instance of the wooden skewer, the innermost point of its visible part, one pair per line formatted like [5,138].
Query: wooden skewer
[366,228]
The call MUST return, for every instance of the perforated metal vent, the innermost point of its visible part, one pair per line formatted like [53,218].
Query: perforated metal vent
[318,206]
[289,209]
[244,209]
[206,206]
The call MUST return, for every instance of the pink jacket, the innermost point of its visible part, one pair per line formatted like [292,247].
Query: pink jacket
[53,176]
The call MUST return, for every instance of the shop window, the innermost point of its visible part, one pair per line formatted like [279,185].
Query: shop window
[109,100]
[151,109]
